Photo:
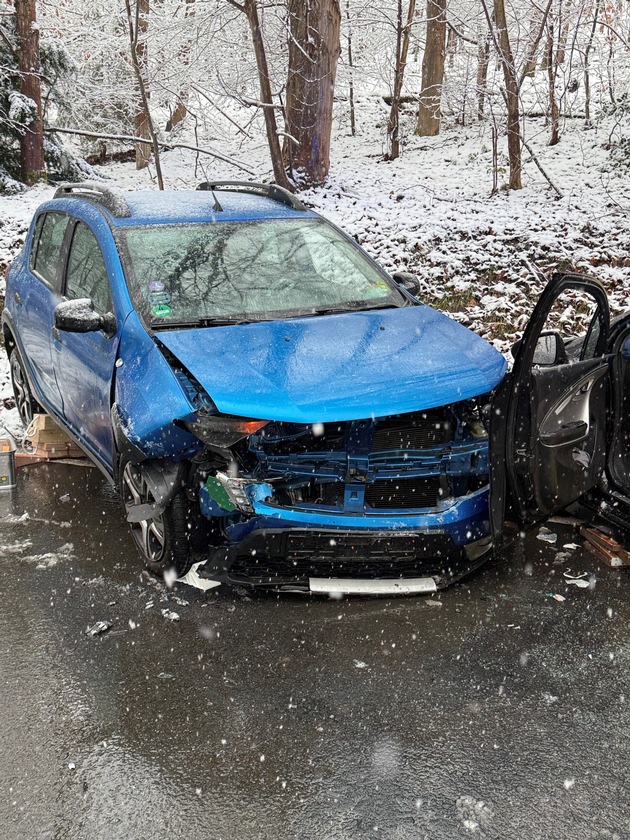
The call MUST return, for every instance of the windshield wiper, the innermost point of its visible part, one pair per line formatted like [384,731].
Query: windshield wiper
[358,307]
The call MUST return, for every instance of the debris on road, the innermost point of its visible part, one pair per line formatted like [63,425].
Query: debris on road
[170,615]
[581,581]
[98,629]
[557,597]
[192,578]
[546,535]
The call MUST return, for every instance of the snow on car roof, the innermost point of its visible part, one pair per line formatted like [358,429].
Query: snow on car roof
[172,206]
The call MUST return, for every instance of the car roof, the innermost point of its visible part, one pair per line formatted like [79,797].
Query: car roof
[149,207]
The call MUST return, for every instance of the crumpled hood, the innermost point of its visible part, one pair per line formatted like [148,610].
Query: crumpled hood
[338,367]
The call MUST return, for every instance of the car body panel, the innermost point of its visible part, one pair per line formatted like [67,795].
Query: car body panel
[29,307]
[338,367]
[549,423]
[148,396]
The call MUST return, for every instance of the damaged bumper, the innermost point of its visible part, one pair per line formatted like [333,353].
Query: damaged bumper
[301,551]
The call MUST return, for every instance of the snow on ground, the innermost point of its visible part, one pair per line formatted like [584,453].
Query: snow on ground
[431,212]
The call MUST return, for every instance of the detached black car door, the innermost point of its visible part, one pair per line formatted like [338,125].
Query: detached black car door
[548,426]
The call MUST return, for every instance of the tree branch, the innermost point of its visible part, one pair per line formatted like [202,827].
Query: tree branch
[129,138]
[540,168]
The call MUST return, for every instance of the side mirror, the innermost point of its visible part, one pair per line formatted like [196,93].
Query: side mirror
[407,281]
[78,316]
[550,350]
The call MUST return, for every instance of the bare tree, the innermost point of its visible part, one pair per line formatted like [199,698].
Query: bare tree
[314,28]
[552,72]
[429,113]
[353,127]
[250,9]
[181,106]
[32,138]
[512,88]
[143,150]
[587,74]
[403,34]
[483,62]
[144,115]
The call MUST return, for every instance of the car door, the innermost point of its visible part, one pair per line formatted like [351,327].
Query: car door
[84,362]
[549,415]
[36,294]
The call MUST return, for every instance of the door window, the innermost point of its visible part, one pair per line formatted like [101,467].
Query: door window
[87,275]
[46,255]
[576,320]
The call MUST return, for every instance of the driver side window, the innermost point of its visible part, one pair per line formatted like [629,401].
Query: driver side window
[574,322]
[86,276]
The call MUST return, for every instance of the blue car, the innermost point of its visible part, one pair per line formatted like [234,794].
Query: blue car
[265,396]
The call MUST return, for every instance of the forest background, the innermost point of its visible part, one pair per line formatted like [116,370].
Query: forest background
[482,144]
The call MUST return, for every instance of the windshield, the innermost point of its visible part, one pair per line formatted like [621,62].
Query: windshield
[192,273]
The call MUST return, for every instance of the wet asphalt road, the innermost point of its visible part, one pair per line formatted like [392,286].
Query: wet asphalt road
[489,710]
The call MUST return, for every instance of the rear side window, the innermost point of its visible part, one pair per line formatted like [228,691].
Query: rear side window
[46,255]
[87,275]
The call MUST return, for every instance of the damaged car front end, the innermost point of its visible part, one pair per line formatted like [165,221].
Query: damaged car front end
[389,494]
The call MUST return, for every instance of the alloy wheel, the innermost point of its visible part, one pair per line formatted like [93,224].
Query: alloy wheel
[149,534]
[21,390]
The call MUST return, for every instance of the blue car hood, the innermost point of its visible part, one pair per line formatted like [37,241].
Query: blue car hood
[338,367]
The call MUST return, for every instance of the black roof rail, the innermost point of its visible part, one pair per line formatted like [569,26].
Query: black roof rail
[272,191]
[93,191]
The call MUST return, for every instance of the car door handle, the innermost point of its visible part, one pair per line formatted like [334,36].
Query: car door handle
[17,298]
[568,433]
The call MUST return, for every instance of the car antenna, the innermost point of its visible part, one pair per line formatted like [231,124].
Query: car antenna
[216,206]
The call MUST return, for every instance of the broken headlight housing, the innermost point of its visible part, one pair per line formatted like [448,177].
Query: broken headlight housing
[221,431]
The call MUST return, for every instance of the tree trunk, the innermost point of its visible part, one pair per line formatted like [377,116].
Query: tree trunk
[32,140]
[181,108]
[402,49]
[483,62]
[587,75]
[314,27]
[147,123]
[429,116]
[554,116]
[532,44]
[143,150]
[279,172]
[511,96]
[563,22]
[451,45]
[353,125]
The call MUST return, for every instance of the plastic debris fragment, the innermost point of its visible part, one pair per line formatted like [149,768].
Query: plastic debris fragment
[193,578]
[98,629]
[170,615]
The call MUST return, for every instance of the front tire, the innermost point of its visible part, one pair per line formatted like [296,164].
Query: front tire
[25,402]
[163,540]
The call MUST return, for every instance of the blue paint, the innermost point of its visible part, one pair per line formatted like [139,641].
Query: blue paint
[339,367]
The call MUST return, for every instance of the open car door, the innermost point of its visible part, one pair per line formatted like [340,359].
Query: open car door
[548,425]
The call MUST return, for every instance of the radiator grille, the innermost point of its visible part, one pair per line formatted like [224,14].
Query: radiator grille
[406,493]
[416,431]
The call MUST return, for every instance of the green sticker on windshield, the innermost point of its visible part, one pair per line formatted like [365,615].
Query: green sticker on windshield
[161,310]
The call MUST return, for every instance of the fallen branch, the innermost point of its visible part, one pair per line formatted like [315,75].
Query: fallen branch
[130,138]
[541,170]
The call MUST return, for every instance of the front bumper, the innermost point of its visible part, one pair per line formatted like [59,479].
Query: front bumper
[290,549]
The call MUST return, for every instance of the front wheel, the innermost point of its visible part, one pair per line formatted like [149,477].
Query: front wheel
[163,540]
[25,402]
